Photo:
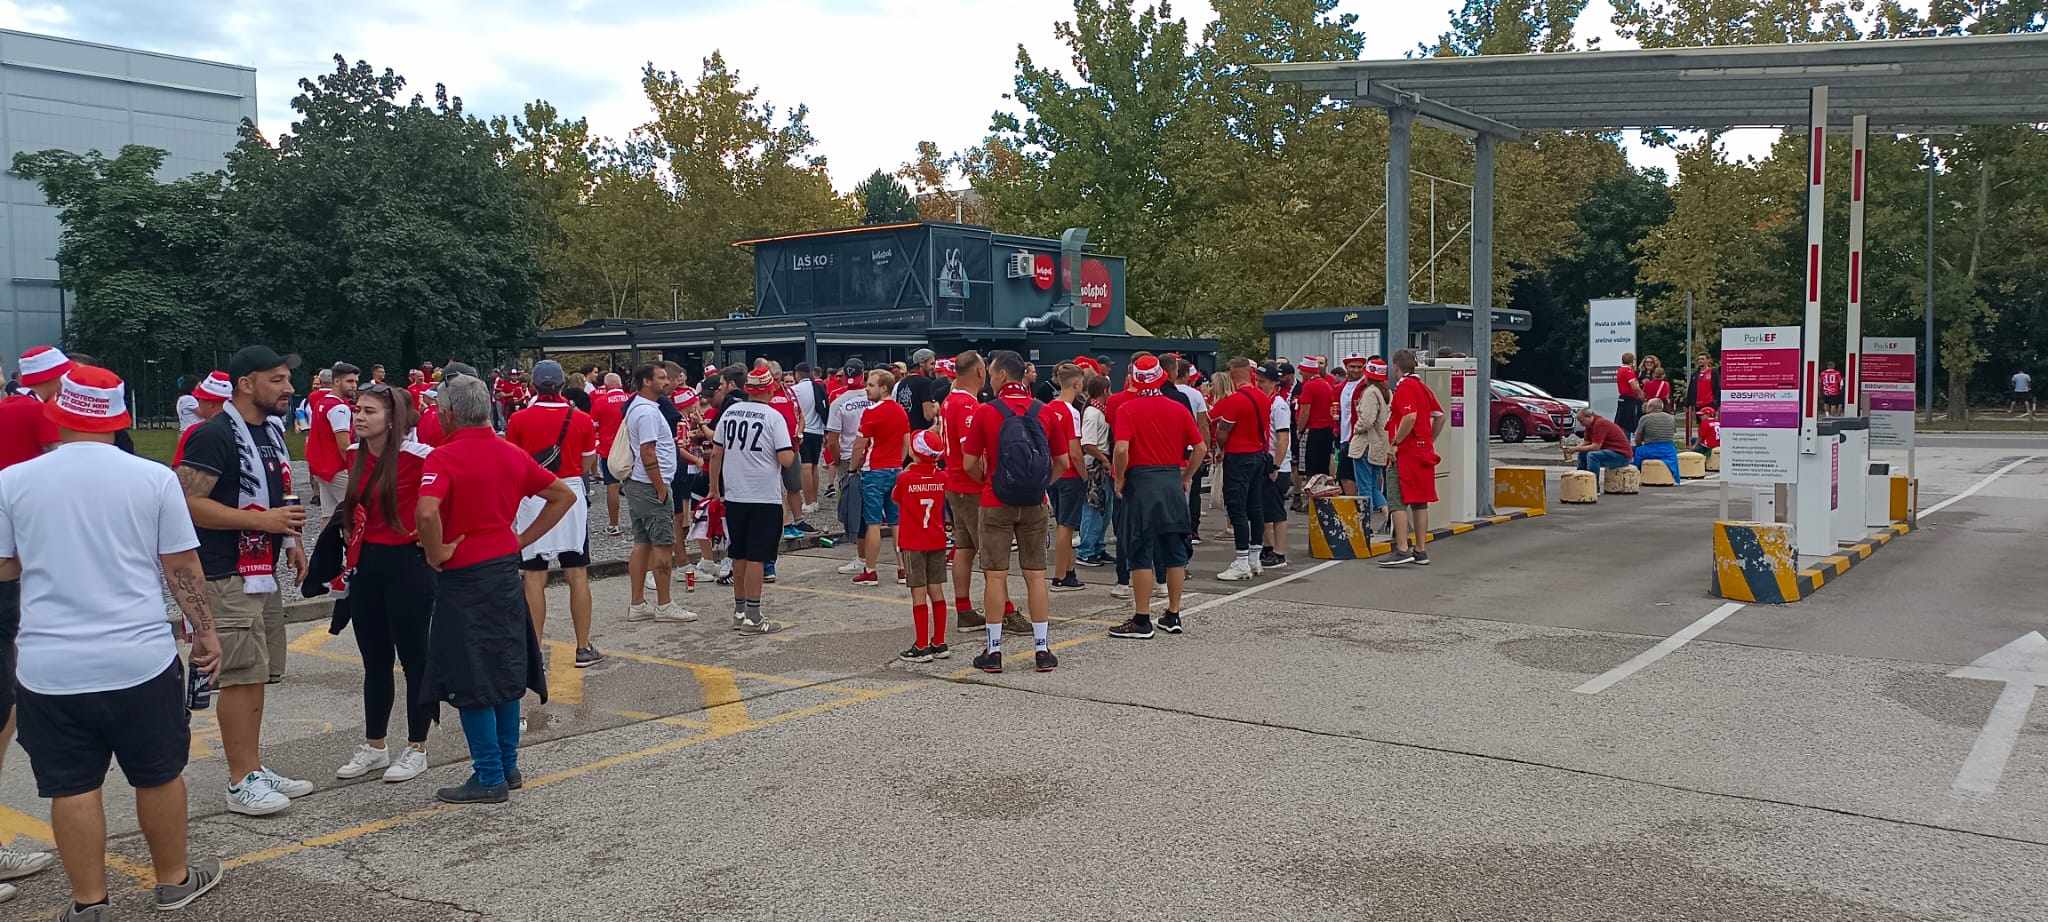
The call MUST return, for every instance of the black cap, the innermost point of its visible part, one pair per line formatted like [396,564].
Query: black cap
[1284,367]
[1270,372]
[855,366]
[458,368]
[249,360]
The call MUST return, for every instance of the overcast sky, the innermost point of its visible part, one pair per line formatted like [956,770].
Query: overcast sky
[878,75]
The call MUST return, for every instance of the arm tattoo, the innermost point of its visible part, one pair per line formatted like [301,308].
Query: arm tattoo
[196,482]
[190,590]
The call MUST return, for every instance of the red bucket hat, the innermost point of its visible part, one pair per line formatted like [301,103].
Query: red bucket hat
[90,400]
[215,387]
[43,363]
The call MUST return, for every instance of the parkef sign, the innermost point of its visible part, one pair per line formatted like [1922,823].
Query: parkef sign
[1041,271]
[1094,293]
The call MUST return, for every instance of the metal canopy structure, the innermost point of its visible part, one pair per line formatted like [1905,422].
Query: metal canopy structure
[1896,85]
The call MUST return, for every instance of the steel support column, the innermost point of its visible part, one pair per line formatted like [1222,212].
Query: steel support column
[1400,130]
[1852,328]
[1482,313]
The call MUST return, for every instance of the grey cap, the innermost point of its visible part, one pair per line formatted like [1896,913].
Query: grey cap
[547,372]
[459,368]
[922,356]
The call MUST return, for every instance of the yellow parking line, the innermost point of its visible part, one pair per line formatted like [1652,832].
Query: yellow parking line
[565,681]
[15,824]
[646,717]
[313,644]
[784,681]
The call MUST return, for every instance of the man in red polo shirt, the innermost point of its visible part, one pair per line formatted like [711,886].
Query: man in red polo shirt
[1069,491]
[1416,419]
[483,654]
[884,437]
[24,429]
[1318,404]
[963,490]
[1158,449]
[553,423]
[1244,419]
[608,411]
[991,456]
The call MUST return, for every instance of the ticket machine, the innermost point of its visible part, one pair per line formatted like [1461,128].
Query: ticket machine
[1455,383]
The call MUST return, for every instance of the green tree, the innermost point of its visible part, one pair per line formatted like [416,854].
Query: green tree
[134,253]
[883,200]
[1508,27]
[738,169]
[376,229]
[554,158]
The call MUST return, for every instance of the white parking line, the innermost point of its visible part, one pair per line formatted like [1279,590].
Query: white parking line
[1262,587]
[1663,648]
[1979,485]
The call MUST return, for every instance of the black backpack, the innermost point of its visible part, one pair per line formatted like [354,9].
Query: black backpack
[1023,461]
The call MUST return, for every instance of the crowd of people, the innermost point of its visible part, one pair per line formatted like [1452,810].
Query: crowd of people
[437,508]
[1647,422]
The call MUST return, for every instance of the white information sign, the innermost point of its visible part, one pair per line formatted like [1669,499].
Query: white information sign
[1611,334]
[1760,404]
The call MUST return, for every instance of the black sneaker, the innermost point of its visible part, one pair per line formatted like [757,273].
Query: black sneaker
[1138,628]
[939,651]
[587,657]
[1170,622]
[915,655]
[969,618]
[1069,583]
[1092,561]
[989,661]
[1272,561]
[1015,623]
[1398,558]
[1046,661]
[514,780]
[1422,558]
[806,527]
[471,792]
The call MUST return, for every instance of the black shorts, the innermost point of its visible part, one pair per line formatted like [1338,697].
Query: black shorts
[1275,498]
[571,560]
[71,738]
[10,627]
[1069,494]
[812,447]
[1322,447]
[753,531]
[1831,400]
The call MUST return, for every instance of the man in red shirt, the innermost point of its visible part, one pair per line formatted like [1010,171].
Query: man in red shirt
[963,489]
[483,654]
[1243,420]
[333,429]
[417,385]
[1005,519]
[1318,404]
[553,423]
[1416,419]
[1069,491]
[1158,449]
[1831,397]
[878,453]
[511,391]
[24,430]
[213,392]
[921,542]
[1628,389]
[608,410]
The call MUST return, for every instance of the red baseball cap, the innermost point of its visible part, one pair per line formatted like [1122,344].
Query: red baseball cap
[90,400]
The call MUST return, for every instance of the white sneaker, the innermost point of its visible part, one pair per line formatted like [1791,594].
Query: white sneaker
[810,508]
[640,611]
[409,765]
[14,864]
[1159,592]
[1119,592]
[1257,568]
[287,786]
[365,760]
[725,568]
[7,892]
[1238,572]
[852,567]
[707,570]
[673,614]
[256,797]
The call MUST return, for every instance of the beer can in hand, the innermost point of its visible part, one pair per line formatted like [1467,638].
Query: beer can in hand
[198,689]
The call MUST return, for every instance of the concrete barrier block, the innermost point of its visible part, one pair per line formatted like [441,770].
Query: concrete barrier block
[1625,479]
[1754,562]
[1714,459]
[1655,474]
[1337,528]
[1692,465]
[1579,487]
[1519,487]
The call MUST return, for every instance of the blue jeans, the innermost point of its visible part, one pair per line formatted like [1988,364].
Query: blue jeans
[1372,482]
[493,734]
[1095,524]
[1666,452]
[1600,461]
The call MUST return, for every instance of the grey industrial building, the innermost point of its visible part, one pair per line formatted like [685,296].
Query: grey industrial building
[80,96]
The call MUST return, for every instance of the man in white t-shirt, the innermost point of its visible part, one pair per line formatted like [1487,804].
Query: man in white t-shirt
[751,448]
[2022,392]
[812,408]
[86,528]
[649,505]
[842,427]
[1186,377]
[1354,378]
[1272,378]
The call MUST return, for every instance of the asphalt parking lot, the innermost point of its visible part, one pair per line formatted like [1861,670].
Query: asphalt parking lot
[1333,741]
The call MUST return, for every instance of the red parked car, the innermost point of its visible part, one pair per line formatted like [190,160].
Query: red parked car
[1518,413]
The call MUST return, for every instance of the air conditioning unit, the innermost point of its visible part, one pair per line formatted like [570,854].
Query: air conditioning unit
[1021,265]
